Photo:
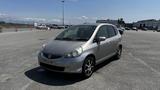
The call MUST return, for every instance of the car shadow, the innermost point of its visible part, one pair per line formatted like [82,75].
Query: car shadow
[39,75]
[104,63]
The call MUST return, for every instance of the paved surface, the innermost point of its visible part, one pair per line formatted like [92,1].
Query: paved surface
[138,69]
[4,30]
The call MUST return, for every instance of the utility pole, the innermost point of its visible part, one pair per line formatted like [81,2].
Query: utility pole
[63,1]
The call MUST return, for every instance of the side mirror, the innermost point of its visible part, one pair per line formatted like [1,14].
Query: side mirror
[121,32]
[99,39]
[102,39]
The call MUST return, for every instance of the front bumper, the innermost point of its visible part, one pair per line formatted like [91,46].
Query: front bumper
[67,65]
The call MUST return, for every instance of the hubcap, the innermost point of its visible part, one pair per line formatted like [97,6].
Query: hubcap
[89,65]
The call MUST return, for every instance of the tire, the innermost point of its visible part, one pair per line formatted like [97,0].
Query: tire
[118,53]
[88,67]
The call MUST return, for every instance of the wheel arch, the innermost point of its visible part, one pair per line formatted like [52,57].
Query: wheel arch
[92,55]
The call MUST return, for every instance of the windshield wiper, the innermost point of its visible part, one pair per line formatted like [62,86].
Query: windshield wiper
[72,39]
[58,38]
[81,39]
[69,39]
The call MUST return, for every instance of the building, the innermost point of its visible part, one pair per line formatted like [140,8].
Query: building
[150,24]
[114,22]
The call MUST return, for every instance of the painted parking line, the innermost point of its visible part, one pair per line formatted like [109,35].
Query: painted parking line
[144,63]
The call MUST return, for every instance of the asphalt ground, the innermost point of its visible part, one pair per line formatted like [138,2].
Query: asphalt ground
[138,69]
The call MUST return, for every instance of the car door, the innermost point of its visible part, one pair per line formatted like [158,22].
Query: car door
[113,39]
[104,46]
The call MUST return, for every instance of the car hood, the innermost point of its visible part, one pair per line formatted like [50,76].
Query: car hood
[59,47]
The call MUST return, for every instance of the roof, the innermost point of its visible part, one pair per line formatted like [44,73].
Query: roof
[97,24]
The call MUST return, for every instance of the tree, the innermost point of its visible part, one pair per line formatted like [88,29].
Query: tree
[121,22]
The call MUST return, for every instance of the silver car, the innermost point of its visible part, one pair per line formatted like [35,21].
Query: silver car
[80,48]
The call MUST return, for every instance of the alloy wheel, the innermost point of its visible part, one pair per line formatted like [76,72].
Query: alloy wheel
[88,67]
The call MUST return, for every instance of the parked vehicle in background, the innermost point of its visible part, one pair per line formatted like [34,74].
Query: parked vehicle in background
[80,48]
[144,29]
[42,27]
[135,28]
[62,27]
[158,30]
[121,30]
[126,28]
[67,26]
[53,26]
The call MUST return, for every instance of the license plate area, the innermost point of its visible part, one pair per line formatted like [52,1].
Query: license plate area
[48,61]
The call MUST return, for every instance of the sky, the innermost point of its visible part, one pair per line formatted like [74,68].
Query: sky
[78,11]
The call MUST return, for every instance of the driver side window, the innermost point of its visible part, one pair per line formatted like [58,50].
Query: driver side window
[102,32]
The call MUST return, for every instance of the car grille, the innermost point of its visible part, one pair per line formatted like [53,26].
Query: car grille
[51,56]
[56,68]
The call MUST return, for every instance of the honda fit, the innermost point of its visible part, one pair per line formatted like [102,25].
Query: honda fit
[80,48]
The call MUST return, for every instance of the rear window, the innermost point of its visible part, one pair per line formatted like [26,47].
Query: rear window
[111,31]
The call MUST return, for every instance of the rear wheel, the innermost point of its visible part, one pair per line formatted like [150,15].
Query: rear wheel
[88,67]
[119,53]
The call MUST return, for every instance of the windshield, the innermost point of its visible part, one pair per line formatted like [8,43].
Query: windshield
[77,33]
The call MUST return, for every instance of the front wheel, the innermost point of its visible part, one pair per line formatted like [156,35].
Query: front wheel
[88,67]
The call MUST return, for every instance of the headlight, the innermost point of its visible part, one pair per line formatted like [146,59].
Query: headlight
[75,53]
[43,45]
